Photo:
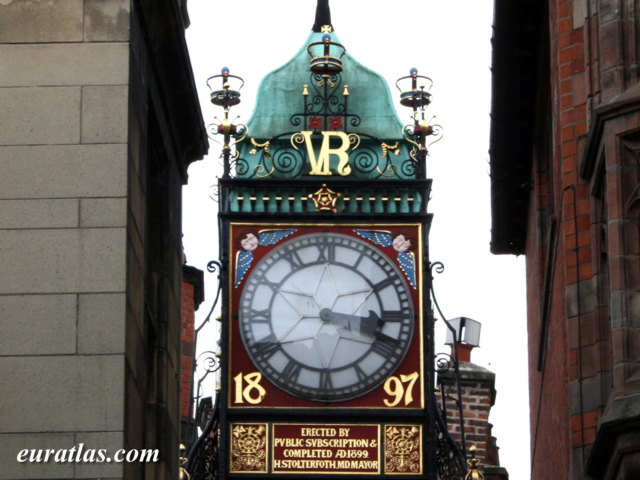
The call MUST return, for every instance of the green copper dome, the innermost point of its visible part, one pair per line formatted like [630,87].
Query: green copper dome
[280,96]
[324,114]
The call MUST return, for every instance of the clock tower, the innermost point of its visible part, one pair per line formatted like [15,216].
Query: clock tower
[327,326]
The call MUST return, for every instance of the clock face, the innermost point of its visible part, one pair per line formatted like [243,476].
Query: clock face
[326,317]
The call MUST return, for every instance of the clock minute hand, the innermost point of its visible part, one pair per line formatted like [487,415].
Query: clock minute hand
[369,325]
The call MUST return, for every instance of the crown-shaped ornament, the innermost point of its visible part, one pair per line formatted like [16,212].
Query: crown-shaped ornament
[326,56]
[226,97]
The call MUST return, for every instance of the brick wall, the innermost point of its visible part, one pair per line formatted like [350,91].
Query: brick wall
[564,258]
[579,339]
[188,316]
[192,297]
[478,396]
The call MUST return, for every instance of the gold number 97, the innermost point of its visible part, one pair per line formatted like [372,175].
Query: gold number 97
[399,389]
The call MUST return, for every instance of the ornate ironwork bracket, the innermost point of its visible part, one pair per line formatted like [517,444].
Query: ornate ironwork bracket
[209,360]
[444,362]
[203,457]
[451,458]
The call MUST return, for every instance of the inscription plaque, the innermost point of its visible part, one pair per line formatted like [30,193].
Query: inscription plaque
[326,448]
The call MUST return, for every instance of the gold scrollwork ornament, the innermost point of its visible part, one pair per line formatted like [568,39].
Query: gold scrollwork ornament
[386,147]
[249,448]
[262,172]
[391,168]
[402,449]
[260,146]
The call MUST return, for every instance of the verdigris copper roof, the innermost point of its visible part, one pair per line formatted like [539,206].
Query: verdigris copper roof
[280,96]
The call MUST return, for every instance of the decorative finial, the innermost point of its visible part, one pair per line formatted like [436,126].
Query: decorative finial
[184,474]
[323,17]
[226,97]
[326,56]
[473,465]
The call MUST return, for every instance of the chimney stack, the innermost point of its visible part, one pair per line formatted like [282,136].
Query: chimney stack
[463,335]
[477,385]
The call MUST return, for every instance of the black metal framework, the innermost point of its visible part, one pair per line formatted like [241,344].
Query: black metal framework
[276,186]
[209,360]
[202,461]
[357,198]
[325,105]
[448,454]
[450,457]
[370,158]
[325,109]
[444,362]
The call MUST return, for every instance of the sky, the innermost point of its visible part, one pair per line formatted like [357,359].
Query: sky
[448,41]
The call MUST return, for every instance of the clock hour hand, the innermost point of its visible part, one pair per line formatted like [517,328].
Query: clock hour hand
[369,325]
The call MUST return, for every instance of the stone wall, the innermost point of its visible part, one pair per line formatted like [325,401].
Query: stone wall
[63,184]
[93,154]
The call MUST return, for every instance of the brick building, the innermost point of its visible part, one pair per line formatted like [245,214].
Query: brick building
[100,120]
[565,169]
[192,297]
[478,394]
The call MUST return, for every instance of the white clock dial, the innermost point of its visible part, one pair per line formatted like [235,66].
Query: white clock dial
[326,317]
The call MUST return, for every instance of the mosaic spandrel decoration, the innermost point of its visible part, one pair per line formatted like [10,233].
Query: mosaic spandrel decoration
[402,449]
[249,447]
[249,243]
[406,258]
